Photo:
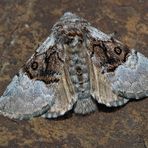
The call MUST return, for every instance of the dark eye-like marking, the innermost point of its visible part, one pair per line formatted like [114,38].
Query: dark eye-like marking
[118,50]
[34,65]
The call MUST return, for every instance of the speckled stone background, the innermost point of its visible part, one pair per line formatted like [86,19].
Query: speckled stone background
[24,24]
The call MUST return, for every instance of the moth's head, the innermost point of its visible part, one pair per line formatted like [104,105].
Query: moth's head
[110,54]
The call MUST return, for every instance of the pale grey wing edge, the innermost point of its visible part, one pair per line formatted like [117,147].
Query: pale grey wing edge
[130,80]
[102,91]
[25,98]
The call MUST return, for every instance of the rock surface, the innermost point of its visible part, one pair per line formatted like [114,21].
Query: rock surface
[26,23]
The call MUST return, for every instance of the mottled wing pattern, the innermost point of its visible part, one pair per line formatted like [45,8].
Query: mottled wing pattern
[118,74]
[69,31]
[101,89]
[64,99]
[74,66]
[40,84]
[130,79]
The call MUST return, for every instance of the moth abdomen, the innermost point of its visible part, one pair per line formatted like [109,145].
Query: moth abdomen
[77,64]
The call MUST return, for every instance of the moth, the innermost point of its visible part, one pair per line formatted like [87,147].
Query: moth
[75,67]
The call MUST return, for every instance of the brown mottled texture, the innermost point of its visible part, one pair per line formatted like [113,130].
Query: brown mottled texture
[23,24]
[111,53]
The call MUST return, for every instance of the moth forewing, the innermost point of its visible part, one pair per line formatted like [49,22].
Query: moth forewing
[102,90]
[64,98]
[130,79]
[119,74]
[76,64]
[25,98]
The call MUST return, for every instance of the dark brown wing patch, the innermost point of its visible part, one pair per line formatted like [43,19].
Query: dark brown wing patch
[46,66]
[108,55]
